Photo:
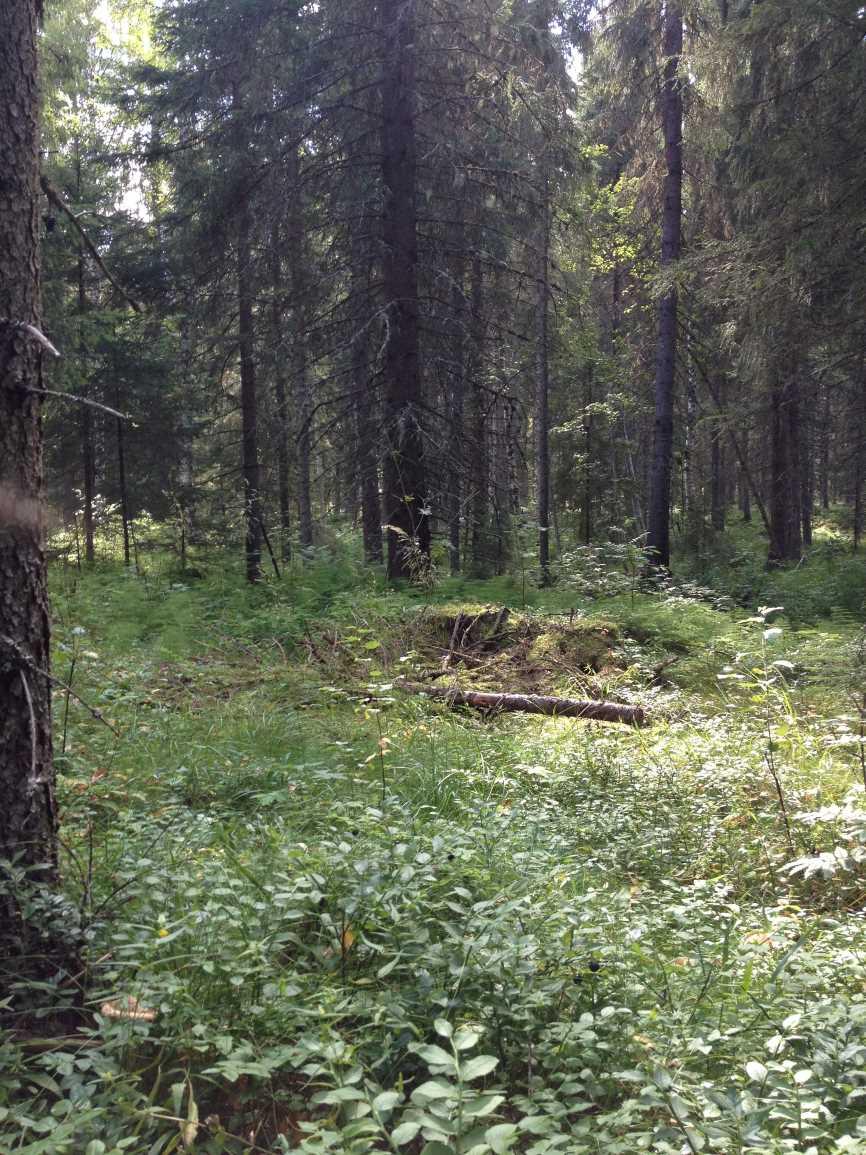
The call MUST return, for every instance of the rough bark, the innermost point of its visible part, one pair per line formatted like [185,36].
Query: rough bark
[28,825]
[405,482]
[534,704]
[859,451]
[480,467]
[300,370]
[85,419]
[658,520]
[249,397]
[542,391]
[280,396]
[717,465]
[785,504]
[457,390]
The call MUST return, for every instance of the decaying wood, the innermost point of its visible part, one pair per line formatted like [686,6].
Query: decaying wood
[534,704]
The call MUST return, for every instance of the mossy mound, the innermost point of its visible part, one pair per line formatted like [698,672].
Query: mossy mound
[493,648]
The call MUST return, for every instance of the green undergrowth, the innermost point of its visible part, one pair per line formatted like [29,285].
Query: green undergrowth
[317,913]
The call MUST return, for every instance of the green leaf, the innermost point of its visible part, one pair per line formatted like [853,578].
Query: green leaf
[479,1066]
[434,1089]
[443,1027]
[756,1071]
[387,1101]
[405,1133]
[482,1105]
[465,1038]
[501,1137]
[435,1055]
[385,970]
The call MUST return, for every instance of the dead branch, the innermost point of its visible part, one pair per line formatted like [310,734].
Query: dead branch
[57,200]
[533,704]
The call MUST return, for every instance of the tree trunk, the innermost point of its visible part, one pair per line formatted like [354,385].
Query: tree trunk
[588,432]
[825,450]
[85,418]
[745,488]
[859,451]
[280,396]
[28,822]
[367,458]
[785,502]
[249,399]
[717,465]
[658,520]
[480,467]
[457,391]
[405,480]
[300,372]
[542,392]
[121,484]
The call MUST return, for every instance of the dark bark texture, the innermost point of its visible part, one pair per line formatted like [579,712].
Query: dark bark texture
[404,472]
[786,541]
[658,520]
[27,815]
[249,398]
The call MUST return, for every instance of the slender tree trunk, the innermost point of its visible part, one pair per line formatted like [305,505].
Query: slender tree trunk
[249,398]
[280,396]
[825,451]
[717,466]
[405,479]
[121,484]
[542,392]
[85,419]
[743,482]
[785,504]
[859,453]
[28,820]
[480,468]
[457,391]
[658,521]
[588,430]
[300,372]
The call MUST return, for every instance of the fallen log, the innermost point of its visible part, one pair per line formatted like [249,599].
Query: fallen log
[534,704]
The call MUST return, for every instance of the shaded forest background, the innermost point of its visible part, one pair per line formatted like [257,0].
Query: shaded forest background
[499,277]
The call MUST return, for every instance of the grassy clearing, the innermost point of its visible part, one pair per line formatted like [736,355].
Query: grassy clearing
[323,915]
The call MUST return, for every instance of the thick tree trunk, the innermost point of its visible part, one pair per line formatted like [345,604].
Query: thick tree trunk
[367,457]
[28,823]
[249,398]
[658,520]
[405,479]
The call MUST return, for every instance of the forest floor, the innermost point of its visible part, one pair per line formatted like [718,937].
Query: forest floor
[323,913]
